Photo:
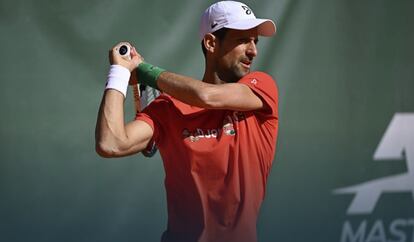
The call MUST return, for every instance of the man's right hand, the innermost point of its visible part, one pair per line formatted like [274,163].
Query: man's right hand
[115,58]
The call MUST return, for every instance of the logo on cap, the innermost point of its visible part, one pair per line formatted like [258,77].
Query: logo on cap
[247,9]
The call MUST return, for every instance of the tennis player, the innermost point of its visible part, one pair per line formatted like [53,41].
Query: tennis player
[217,136]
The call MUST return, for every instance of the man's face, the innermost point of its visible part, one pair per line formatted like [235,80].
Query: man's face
[236,53]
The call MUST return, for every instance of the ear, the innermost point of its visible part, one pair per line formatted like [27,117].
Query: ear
[210,43]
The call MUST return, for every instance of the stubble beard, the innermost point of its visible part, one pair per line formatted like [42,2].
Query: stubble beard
[234,73]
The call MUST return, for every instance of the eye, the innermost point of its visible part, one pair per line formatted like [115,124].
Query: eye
[247,40]
[243,40]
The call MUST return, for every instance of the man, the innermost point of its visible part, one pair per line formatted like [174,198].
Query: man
[216,137]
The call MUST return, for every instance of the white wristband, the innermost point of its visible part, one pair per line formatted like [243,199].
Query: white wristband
[118,79]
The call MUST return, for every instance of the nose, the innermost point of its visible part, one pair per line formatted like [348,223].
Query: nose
[251,49]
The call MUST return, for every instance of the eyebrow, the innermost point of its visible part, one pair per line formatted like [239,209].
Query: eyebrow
[256,40]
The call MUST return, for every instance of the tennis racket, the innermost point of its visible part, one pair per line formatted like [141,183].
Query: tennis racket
[143,96]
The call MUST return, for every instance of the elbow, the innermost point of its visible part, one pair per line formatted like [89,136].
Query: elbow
[109,146]
[104,150]
[208,98]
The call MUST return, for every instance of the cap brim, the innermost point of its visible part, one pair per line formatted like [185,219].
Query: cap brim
[265,27]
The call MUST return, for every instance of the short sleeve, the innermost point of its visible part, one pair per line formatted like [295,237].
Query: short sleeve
[153,114]
[264,86]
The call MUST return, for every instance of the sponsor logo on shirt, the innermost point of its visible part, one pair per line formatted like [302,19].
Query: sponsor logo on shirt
[228,129]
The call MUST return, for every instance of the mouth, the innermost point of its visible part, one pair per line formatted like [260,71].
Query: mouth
[246,63]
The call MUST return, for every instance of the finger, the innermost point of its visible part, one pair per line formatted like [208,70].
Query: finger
[111,57]
[134,52]
[115,47]
[115,51]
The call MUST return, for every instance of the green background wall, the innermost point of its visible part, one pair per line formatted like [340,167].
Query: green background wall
[343,68]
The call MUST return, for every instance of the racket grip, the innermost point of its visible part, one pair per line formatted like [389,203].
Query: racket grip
[137,100]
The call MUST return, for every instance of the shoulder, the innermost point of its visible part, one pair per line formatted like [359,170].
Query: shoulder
[259,74]
[264,86]
[260,80]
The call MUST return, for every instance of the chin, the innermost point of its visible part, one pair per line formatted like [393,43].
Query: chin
[234,74]
[241,73]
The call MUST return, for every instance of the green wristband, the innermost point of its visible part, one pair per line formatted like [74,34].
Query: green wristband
[148,74]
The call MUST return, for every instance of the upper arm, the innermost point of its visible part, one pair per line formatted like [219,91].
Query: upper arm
[255,91]
[137,136]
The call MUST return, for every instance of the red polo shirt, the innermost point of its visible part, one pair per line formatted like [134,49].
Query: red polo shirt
[216,164]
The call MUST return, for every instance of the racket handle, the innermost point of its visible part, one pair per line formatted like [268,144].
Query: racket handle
[137,100]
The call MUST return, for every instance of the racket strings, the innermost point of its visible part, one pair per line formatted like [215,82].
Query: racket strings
[148,94]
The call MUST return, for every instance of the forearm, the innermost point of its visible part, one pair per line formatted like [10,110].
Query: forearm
[186,89]
[110,135]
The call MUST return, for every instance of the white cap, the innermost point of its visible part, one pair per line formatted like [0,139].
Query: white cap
[233,15]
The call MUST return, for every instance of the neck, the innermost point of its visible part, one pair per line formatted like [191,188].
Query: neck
[211,76]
